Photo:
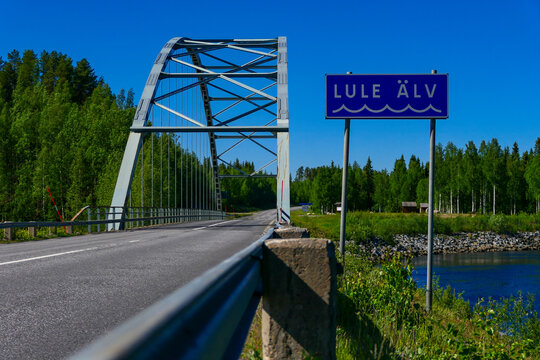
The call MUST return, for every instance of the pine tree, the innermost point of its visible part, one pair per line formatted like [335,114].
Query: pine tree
[84,81]
[414,174]
[56,69]
[8,76]
[129,99]
[398,178]
[370,184]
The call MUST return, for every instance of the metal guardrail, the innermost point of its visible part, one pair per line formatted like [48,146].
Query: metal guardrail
[133,216]
[209,318]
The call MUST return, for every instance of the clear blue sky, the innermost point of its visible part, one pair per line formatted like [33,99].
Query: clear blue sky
[491,49]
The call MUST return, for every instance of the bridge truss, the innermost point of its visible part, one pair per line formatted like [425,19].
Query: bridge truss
[205,102]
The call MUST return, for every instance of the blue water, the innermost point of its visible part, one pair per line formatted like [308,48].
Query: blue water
[495,274]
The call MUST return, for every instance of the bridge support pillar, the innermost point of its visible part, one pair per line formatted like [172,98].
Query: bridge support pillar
[299,299]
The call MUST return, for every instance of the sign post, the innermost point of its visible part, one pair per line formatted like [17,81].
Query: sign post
[344,182]
[389,96]
[429,280]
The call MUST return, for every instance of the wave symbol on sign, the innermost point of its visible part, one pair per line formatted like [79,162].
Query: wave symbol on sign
[386,107]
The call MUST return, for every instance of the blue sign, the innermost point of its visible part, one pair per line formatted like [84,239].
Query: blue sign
[407,96]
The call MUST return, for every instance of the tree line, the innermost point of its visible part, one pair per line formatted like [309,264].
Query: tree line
[484,179]
[247,193]
[63,128]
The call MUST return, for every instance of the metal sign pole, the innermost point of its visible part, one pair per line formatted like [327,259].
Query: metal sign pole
[429,289]
[342,226]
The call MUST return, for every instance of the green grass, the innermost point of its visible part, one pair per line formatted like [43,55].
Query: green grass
[42,233]
[364,226]
[381,316]
[381,312]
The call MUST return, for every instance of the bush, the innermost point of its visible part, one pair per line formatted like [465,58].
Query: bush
[498,224]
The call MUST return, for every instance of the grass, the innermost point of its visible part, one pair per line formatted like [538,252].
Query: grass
[42,233]
[381,310]
[253,346]
[381,316]
[364,226]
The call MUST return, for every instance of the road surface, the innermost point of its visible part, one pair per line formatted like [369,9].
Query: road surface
[58,295]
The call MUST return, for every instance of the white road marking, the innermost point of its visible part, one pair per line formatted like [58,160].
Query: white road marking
[134,241]
[224,222]
[47,256]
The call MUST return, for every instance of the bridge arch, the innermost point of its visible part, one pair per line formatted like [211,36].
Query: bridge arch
[239,88]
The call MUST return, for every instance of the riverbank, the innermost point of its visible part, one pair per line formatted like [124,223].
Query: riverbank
[379,234]
[381,308]
[416,245]
[381,316]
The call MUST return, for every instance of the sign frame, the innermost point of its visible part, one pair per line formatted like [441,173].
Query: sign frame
[433,119]
[371,116]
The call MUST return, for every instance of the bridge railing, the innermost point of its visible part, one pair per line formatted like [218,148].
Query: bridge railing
[95,217]
[209,318]
[145,216]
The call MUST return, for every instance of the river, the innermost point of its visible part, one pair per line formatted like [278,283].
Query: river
[495,274]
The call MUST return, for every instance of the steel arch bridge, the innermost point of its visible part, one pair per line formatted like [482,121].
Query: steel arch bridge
[207,99]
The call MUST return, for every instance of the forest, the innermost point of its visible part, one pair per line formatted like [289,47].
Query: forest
[487,179]
[63,128]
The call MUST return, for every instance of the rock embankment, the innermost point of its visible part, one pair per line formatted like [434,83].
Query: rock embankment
[416,245]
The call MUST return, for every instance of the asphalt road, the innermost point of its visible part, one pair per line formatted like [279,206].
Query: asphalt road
[58,295]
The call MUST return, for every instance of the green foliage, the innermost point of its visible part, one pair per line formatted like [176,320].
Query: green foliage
[326,188]
[60,128]
[364,226]
[246,194]
[514,316]
[381,311]
[381,316]
[251,353]
[498,223]
[63,128]
[488,180]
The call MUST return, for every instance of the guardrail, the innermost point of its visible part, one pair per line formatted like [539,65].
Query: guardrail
[209,318]
[133,217]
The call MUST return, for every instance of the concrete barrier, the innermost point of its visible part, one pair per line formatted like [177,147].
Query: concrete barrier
[291,232]
[32,231]
[9,233]
[299,299]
